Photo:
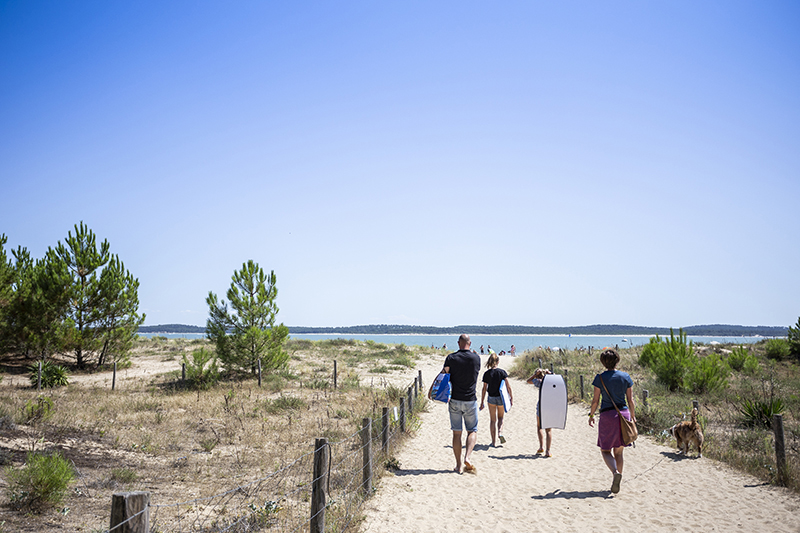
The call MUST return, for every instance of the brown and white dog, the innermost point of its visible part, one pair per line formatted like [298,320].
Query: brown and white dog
[688,432]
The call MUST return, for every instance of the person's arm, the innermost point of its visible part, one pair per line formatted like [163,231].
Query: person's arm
[510,394]
[595,403]
[631,407]
[483,395]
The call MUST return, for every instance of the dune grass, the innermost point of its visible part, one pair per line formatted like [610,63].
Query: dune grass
[157,434]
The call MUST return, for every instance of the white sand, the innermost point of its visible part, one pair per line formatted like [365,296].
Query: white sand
[515,490]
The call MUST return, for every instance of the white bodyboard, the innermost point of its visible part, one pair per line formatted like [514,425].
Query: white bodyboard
[504,396]
[553,402]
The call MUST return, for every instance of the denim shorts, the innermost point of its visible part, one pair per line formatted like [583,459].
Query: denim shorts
[468,411]
[494,400]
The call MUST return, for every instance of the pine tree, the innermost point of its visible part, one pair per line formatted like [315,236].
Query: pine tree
[77,263]
[119,318]
[247,333]
[794,340]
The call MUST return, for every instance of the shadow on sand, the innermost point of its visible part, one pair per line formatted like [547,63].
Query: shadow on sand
[422,472]
[581,495]
[675,456]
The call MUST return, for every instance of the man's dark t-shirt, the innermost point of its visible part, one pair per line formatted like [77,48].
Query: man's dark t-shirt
[465,365]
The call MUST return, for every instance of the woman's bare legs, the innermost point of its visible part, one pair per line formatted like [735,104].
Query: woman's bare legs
[614,462]
[493,423]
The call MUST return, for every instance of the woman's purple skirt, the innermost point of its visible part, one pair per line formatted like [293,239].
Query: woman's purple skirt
[609,434]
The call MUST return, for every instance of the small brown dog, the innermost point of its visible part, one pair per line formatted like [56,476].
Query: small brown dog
[688,432]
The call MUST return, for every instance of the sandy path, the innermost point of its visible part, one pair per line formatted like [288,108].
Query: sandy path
[515,490]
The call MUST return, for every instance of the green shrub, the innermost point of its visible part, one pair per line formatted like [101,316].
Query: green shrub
[676,358]
[402,360]
[284,403]
[793,338]
[651,352]
[777,349]
[741,360]
[707,374]
[53,375]
[42,481]
[202,370]
[37,410]
[758,413]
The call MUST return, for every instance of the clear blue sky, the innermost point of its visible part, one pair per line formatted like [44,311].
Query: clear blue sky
[432,163]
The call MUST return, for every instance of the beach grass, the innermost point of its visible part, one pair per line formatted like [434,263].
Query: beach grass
[154,433]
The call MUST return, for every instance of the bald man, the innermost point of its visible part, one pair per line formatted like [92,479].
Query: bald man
[463,367]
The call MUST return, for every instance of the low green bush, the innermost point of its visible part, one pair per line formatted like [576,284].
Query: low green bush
[283,403]
[777,349]
[741,360]
[38,410]
[53,375]
[707,374]
[675,360]
[759,413]
[43,481]
[202,370]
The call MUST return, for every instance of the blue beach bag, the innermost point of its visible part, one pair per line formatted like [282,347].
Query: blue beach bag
[440,390]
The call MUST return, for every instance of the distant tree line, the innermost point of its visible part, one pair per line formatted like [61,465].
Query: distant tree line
[78,301]
[172,328]
[714,330]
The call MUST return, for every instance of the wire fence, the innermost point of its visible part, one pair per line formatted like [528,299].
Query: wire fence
[287,500]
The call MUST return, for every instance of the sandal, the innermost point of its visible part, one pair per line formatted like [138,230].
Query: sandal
[616,483]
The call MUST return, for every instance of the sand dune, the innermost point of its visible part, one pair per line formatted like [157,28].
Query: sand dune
[516,490]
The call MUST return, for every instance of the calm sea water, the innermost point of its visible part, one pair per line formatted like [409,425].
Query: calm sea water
[500,342]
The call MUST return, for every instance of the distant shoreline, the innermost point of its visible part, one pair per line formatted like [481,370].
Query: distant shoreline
[724,330]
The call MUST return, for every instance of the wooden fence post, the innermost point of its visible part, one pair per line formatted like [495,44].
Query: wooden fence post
[319,484]
[540,362]
[114,377]
[420,379]
[780,449]
[645,396]
[132,508]
[410,401]
[39,379]
[551,369]
[385,430]
[696,405]
[259,372]
[335,374]
[402,415]
[582,395]
[366,443]
[183,371]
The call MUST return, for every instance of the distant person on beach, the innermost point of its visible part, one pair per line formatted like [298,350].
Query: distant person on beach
[492,379]
[544,444]
[463,367]
[615,387]
[481,349]
[513,350]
